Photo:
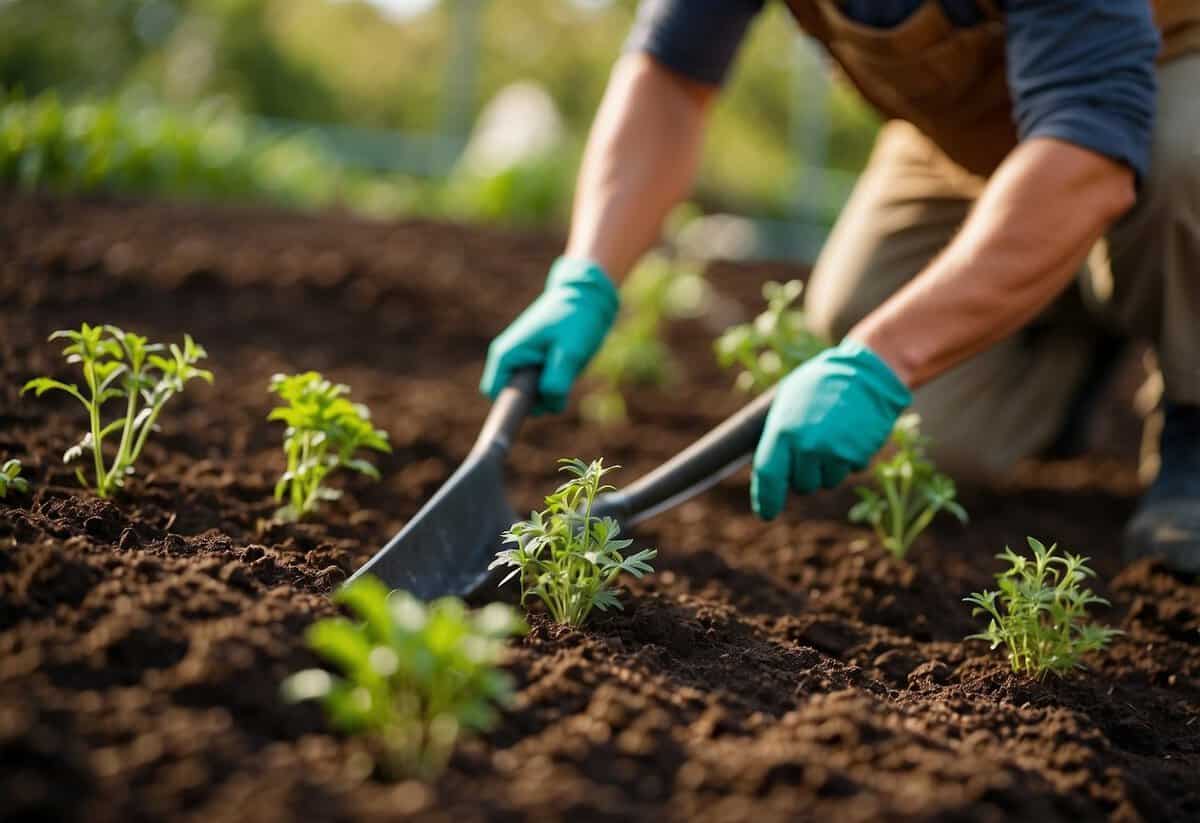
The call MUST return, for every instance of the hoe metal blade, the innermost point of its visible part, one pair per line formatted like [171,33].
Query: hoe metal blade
[446,548]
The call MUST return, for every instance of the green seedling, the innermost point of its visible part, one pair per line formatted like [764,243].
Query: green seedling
[324,433]
[1040,610]
[411,677]
[567,558]
[634,355]
[659,290]
[775,343]
[119,365]
[11,480]
[909,491]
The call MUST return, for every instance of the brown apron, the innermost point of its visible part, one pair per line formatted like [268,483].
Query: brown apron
[950,81]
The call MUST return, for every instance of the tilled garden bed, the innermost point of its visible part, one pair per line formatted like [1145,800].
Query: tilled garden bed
[783,671]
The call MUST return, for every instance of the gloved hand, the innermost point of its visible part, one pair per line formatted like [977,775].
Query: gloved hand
[560,331]
[829,418]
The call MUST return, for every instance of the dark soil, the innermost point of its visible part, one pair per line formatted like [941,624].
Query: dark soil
[790,670]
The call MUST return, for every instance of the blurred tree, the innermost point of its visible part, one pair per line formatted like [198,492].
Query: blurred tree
[73,45]
[247,60]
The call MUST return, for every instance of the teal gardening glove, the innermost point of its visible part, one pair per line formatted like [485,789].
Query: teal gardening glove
[560,332]
[829,418]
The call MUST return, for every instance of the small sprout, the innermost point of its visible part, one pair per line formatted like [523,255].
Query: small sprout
[11,480]
[775,343]
[411,677]
[660,289]
[910,491]
[1039,612]
[567,558]
[120,365]
[324,432]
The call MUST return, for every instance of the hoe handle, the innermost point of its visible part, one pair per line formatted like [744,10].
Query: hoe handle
[509,410]
[701,465]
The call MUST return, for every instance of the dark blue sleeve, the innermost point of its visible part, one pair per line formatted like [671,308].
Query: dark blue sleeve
[698,39]
[1084,72]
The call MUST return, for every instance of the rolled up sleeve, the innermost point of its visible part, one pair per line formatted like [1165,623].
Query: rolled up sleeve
[697,38]
[1084,73]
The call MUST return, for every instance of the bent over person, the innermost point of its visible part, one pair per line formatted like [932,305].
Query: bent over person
[1035,192]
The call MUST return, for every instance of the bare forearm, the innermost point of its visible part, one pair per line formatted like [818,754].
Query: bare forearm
[1025,239]
[640,161]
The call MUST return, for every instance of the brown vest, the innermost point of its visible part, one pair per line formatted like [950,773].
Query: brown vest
[949,81]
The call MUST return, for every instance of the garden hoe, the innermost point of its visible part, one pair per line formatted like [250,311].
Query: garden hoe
[446,548]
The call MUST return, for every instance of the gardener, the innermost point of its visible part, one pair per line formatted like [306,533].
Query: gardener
[1036,190]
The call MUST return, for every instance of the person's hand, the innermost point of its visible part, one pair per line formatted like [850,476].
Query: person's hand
[829,418]
[560,332]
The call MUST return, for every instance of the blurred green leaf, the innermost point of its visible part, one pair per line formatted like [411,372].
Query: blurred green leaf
[411,676]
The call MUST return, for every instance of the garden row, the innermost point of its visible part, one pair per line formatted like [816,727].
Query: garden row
[760,669]
[132,146]
[412,677]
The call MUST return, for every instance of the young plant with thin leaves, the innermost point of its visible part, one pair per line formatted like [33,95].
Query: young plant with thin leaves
[567,558]
[776,342]
[909,491]
[325,432]
[11,479]
[662,288]
[120,366]
[412,678]
[1040,611]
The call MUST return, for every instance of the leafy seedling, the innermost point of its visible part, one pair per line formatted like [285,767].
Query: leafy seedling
[411,677]
[120,365]
[662,288]
[11,480]
[909,491]
[567,558]
[324,433]
[1040,610]
[776,342]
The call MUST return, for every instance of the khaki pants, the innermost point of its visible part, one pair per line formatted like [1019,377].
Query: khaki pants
[1142,281]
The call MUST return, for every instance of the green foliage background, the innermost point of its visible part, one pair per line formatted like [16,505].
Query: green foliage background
[343,62]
